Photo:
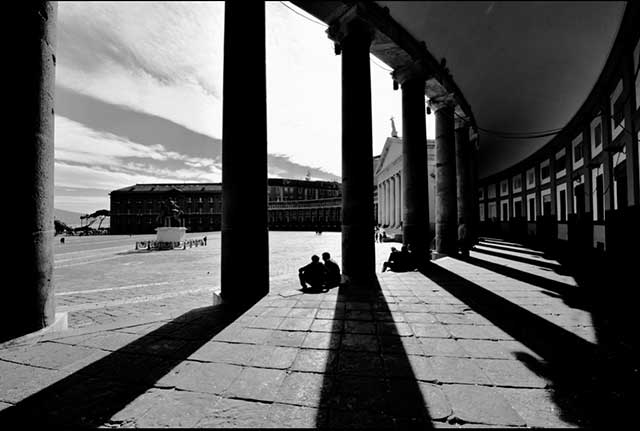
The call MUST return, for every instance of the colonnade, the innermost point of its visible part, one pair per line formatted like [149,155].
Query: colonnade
[244,194]
[390,197]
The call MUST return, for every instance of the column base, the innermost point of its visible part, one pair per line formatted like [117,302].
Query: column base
[435,255]
[217,299]
[60,324]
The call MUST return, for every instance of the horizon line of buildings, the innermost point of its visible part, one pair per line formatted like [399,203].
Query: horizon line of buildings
[292,204]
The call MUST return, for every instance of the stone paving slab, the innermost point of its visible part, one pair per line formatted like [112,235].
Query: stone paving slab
[410,352]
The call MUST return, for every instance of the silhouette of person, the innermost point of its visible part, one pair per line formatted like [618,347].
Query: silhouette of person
[332,271]
[312,273]
[392,260]
[205,240]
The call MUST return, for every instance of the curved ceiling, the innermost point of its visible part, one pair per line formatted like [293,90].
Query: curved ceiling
[522,66]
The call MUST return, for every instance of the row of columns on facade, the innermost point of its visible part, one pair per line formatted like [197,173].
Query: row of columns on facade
[244,216]
[390,202]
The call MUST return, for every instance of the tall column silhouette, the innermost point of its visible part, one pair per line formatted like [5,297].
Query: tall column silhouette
[244,155]
[446,201]
[415,186]
[353,38]
[463,171]
[31,234]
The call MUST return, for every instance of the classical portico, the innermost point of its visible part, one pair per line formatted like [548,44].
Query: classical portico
[358,30]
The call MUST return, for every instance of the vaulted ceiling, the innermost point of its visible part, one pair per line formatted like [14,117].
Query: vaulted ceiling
[522,67]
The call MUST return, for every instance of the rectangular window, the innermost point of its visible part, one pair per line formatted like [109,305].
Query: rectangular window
[517,208]
[578,156]
[504,187]
[563,206]
[561,163]
[532,208]
[617,111]
[517,183]
[577,152]
[578,197]
[544,172]
[504,210]
[600,197]
[491,191]
[546,203]
[598,136]
[493,211]
[531,178]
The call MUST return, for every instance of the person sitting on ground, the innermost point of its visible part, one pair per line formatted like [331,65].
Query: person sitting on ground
[391,262]
[312,273]
[407,259]
[332,271]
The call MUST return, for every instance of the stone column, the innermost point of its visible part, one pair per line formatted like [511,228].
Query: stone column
[353,37]
[380,203]
[463,171]
[387,207]
[415,184]
[398,199]
[244,155]
[475,203]
[446,200]
[393,201]
[29,303]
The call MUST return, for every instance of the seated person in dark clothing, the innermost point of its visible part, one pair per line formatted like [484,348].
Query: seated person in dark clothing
[332,271]
[391,262]
[313,273]
[399,261]
[407,259]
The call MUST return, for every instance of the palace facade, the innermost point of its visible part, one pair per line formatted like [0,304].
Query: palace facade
[293,205]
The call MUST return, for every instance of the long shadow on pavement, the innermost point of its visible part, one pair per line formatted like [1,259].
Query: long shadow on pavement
[571,295]
[590,387]
[374,384]
[553,266]
[512,248]
[92,395]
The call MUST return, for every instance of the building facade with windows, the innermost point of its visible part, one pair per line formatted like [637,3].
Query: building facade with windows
[293,205]
[583,187]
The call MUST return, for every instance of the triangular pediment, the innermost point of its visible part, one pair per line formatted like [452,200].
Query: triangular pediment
[390,152]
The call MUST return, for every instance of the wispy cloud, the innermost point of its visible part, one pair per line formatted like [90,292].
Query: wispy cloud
[139,95]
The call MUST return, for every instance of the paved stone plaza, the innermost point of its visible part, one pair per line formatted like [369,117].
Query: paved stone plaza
[490,341]
[101,280]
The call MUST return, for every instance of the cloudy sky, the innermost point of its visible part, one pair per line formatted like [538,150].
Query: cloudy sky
[139,97]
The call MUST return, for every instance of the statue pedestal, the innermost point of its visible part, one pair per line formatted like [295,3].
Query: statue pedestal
[170,234]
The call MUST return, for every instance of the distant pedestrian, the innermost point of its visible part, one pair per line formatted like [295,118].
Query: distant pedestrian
[205,240]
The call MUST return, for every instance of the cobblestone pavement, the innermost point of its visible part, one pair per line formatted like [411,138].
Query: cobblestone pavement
[497,340]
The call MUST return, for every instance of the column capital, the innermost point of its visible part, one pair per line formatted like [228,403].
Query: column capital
[460,123]
[415,70]
[350,24]
[446,100]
